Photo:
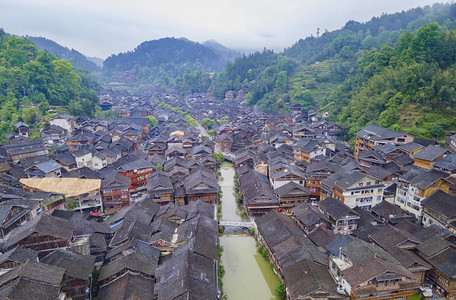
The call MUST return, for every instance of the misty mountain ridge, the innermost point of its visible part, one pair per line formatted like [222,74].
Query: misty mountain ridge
[78,59]
[209,56]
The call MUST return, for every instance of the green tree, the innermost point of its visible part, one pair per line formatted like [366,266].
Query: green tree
[152,121]
[437,131]
[43,107]
[70,204]
[29,116]
[207,122]
[280,291]
[219,158]
[223,119]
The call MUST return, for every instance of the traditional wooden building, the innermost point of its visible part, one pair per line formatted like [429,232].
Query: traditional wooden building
[115,191]
[136,169]
[344,219]
[43,234]
[77,280]
[201,185]
[23,147]
[80,194]
[373,135]
[292,194]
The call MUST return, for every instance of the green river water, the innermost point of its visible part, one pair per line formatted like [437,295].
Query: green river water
[248,276]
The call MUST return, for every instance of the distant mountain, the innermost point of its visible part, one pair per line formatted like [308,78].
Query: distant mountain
[195,56]
[76,58]
[170,62]
[98,61]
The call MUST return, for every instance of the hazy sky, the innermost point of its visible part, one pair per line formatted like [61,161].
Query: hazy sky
[102,27]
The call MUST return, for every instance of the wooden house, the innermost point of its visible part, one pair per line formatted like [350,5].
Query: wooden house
[43,234]
[343,219]
[23,147]
[292,194]
[77,279]
[201,185]
[160,188]
[115,191]
[22,129]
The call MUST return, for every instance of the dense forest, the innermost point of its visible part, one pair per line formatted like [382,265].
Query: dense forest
[408,87]
[34,83]
[172,62]
[77,59]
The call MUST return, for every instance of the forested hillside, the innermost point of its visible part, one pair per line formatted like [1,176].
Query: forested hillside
[410,87]
[32,81]
[76,58]
[171,62]
[359,71]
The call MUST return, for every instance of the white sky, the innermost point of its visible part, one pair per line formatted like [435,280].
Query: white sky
[103,27]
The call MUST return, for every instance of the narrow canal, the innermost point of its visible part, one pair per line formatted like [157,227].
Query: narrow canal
[247,274]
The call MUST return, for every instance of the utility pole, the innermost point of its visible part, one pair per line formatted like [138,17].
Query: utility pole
[318,32]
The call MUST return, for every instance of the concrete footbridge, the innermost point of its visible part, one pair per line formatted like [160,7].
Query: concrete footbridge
[238,224]
[229,156]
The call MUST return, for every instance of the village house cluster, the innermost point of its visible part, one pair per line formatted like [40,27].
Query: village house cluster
[128,206]
[378,222]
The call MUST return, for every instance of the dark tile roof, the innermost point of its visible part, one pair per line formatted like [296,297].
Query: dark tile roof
[44,224]
[387,237]
[430,153]
[442,203]
[117,181]
[137,262]
[32,280]
[159,182]
[445,262]
[409,147]
[287,241]
[201,176]
[379,173]
[339,241]
[291,186]
[336,209]
[408,258]
[433,246]
[128,286]
[386,210]
[376,133]
[201,234]
[22,145]
[403,160]
[424,179]
[19,254]
[199,207]
[75,265]
[307,214]
[322,237]
[187,275]
[307,278]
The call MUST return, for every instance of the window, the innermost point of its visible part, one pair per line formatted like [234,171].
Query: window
[360,184]
[379,190]
[368,183]
[379,198]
